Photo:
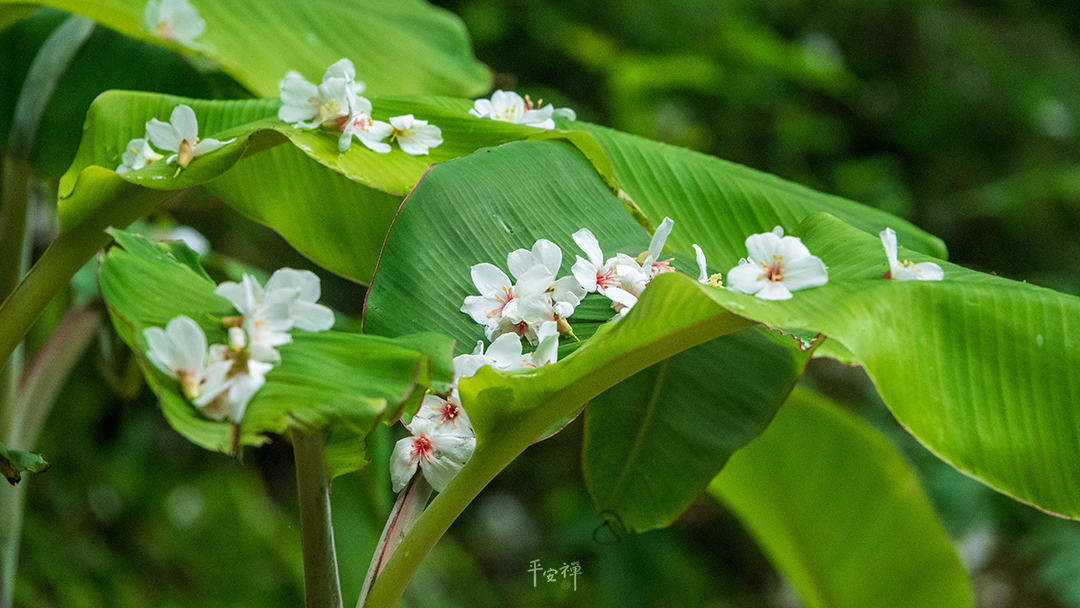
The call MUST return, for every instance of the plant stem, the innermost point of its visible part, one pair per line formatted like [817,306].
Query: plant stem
[495,451]
[321,585]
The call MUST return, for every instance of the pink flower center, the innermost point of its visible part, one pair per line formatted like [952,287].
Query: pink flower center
[421,447]
[607,278]
[775,271]
[449,412]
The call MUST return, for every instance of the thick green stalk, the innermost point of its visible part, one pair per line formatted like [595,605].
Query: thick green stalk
[496,450]
[321,585]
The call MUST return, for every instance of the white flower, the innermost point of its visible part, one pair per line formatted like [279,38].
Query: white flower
[181,135]
[906,271]
[332,103]
[180,352]
[593,274]
[560,298]
[508,106]
[370,132]
[505,354]
[496,308]
[437,449]
[174,20]
[137,155]
[446,414]
[233,380]
[288,301]
[414,136]
[776,266]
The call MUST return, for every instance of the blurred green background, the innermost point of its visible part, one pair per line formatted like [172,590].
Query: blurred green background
[959,116]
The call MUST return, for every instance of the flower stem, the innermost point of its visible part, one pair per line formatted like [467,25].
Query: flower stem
[582,378]
[321,585]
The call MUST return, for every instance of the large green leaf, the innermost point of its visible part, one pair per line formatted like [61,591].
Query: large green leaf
[345,382]
[336,217]
[654,441]
[399,46]
[982,370]
[841,514]
[726,201]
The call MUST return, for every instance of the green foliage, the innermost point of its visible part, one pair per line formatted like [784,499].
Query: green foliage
[401,47]
[326,379]
[654,441]
[841,513]
[13,463]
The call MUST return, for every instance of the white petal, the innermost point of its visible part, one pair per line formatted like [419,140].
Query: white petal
[585,273]
[565,113]
[548,349]
[547,253]
[402,463]
[163,135]
[451,454]
[190,341]
[588,243]
[888,240]
[703,271]
[660,237]
[520,261]
[505,351]
[184,121]
[805,272]
[536,280]
[621,296]
[312,317]
[929,271]
[342,68]
[489,280]
[773,290]
[480,308]
[746,278]
[208,145]
[762,247]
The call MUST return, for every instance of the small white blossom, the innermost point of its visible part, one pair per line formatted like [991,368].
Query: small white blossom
[233,380]
[181,135]
[137,155]
[505,354]
[370,132]
[447,414]
[906,271]
[174,20]
[776,266]
[332,103]
[497,306]
[437,449]
[593,274]
[414,136]
[180,351]
[508,106]
[288,301]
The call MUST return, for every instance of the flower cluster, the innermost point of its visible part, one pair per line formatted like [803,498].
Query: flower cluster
[336,104]
[180,135]
[508,106]
[537,305]
[221,379]
[174,20]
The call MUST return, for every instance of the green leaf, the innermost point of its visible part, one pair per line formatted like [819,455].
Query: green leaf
[727,202]
[399,47]
[654,441]
[841,514]
[337,217]
[325,380]
[980,369]
[13,463]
